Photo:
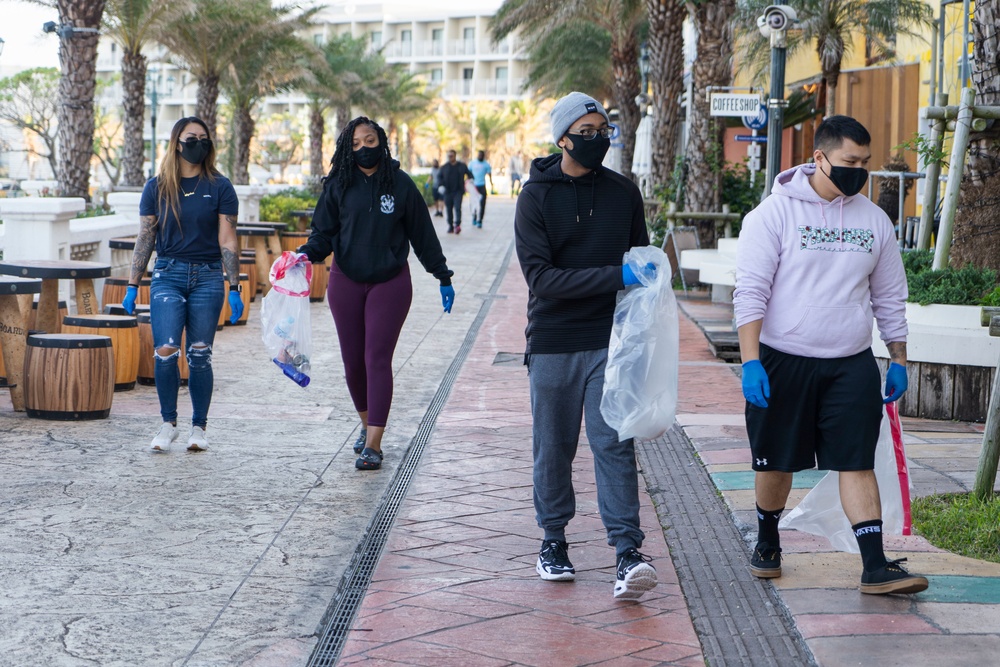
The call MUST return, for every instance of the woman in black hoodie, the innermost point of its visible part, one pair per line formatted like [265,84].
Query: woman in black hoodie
[369,215]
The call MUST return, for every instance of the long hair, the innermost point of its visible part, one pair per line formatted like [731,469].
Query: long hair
[168,182]
[342,163]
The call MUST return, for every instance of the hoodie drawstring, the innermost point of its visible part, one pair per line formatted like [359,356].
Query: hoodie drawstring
[576,200]
[576,196]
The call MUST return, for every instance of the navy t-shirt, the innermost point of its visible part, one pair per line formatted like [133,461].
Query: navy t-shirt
[202,201]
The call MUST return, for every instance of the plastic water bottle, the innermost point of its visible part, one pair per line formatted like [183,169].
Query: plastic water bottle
[295,376]
[283,329]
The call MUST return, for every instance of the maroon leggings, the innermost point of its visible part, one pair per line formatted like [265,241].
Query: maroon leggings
[369,317]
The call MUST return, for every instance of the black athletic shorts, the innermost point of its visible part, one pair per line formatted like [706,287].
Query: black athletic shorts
[822,413]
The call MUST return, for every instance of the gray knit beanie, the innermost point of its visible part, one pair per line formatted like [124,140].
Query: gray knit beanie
[569,109]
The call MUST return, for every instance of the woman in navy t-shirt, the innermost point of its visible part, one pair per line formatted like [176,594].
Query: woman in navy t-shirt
[188,214]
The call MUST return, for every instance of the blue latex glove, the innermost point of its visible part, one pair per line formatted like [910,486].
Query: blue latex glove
[128,303]
[756,387]
[235,305]
[629,277]
[896,382]
[447,297]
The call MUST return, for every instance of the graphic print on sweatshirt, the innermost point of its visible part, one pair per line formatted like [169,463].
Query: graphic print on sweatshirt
[836,240]
[388,203]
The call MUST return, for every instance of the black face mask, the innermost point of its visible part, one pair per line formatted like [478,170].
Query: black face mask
[849,180]
[590,154]
[196,150]
[367,157]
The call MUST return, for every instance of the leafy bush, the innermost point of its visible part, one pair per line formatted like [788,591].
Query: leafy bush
[993,298]
[967,286]
[423,182]
[917,261]
[95,211]
[280,207]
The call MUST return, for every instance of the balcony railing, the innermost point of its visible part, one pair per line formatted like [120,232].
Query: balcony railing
[429,48]
[482,87]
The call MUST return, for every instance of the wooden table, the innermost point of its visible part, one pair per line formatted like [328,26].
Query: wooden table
[51,271]
[15,293]
[260,238]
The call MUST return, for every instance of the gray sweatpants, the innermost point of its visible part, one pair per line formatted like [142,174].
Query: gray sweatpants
[564,389]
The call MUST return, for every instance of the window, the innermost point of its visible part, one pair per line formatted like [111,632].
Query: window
[406,42]
[467,83]
[501,80]
[318,39]
[437,41]
[437,76]
[469,38]
[376,39]
[467,73]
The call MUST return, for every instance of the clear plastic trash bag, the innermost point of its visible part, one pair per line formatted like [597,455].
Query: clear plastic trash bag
[284,317]
[821,513]
[640,380]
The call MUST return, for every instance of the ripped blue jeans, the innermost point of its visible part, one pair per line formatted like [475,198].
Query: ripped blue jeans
[185,297]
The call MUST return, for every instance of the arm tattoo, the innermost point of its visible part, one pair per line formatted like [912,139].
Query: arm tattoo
[231,219]
[231,264]
[897,352]
[145,242]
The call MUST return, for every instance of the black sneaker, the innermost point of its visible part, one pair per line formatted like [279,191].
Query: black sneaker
[892,578]
[766,561]
[369,460]
[635,575]
[359,444]
[553,562]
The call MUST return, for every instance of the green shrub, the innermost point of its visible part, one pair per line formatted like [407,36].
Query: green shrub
[960,523]
[280,207]
[967,286]
[423,182]
[917,261]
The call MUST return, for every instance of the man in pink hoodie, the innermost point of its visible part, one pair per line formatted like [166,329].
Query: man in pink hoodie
[816,262]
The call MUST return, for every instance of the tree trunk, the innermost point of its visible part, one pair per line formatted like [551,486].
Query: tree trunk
[316,129]
[625,65]
[666,70]
[343,117]
[208,101]
[712,67]
[976,235]
[78,62]
[243,128]
[133,110]
[831,93]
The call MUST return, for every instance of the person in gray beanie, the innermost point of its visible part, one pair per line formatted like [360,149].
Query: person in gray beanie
[575,220]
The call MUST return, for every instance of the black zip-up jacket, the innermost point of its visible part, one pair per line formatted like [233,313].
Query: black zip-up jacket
[571,235]
[370,233]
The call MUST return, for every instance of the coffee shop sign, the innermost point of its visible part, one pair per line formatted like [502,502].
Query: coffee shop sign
[733,104]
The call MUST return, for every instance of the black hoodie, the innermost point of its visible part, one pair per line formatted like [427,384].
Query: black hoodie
[571,235]
[370,233]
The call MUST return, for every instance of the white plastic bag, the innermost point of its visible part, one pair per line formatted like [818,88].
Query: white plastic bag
[821,512]
[640,380]
[284,317]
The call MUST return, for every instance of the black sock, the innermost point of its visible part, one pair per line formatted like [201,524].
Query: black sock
[767,525]
[869,536]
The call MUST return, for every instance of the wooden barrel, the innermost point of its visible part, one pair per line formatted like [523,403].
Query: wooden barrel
[320,279]
[113,309]
[123,330]
[244,296]
[143,296]
[69,377]
[292,240]
[147,362]
[114,291]
[248,265]
[63,312]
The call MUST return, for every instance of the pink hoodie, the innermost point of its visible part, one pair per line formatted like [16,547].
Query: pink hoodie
[817,271]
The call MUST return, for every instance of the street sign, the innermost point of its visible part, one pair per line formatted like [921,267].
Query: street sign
[754,164]
[732,104]
[758,121]
[753,150]
[750,137]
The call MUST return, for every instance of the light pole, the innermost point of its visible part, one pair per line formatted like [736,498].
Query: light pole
[154,97]
[774,24]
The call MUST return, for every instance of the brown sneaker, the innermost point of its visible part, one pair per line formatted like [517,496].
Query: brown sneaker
[892,578]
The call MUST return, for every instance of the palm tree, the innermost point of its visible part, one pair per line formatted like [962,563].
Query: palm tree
[78,63]
[712,67]
[270,63]
[133,24]
[666,74]
[830,27]
[620,19]
[976,236]
[404,100]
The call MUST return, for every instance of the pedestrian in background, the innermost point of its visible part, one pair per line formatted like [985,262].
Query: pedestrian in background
[435,189]
[515,168]
[188,214]
[452,176]
[480,170]
[817,262]
[368,216]
[575,220]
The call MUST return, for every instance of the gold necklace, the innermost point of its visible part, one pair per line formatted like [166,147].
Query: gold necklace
[188,194]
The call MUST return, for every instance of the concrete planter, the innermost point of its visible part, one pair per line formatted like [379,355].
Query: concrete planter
[951,362]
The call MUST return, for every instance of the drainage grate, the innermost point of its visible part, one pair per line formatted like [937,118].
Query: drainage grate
[339,616]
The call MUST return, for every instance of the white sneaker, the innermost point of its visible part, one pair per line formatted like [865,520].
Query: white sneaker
[197,441]
[167,434]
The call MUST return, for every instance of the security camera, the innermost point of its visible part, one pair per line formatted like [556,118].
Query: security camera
[50,26]
[779,17]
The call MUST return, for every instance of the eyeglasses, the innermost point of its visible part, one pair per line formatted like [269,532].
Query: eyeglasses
[588,134]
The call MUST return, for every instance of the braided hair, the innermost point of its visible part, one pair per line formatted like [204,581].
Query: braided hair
[342,164]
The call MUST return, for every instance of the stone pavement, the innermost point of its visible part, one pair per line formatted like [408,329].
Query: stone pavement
[239,556]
